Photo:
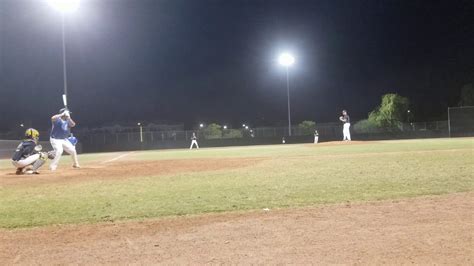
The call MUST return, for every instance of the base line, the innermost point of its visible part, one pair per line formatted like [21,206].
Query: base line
[117,158]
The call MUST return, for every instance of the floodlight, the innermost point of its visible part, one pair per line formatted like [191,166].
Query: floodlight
[225,127]
[286,59]
[64,6]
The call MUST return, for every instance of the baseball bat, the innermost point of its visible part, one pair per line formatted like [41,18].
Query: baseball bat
[65,100]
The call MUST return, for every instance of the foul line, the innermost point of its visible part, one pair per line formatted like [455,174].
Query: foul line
[117,158]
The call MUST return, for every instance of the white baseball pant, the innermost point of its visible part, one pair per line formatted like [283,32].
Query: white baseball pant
[346,132]
[192,144]
[27,161]
[59,145]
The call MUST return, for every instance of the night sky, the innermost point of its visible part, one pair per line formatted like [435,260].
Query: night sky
[215,61]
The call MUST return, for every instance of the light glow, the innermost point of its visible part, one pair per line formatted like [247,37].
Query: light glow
[64,6]
[286,59]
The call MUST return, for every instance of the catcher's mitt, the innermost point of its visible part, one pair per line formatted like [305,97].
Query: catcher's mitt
[51,154]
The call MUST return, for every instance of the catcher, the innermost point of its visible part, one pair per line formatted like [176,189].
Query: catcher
[28,157]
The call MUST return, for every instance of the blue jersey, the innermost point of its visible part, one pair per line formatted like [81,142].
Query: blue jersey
[60,129]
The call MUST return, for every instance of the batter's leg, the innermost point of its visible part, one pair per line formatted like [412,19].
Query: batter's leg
[58,149]
[71,149]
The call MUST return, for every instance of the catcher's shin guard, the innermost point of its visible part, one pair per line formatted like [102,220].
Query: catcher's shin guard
[37,165]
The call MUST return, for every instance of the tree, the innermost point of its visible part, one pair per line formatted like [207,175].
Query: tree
[213,131]
[232,134]
[391,112]
[307,127]
[366,126]
[467,95]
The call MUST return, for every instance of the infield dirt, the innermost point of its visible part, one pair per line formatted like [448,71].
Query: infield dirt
[425,230]
[122,169]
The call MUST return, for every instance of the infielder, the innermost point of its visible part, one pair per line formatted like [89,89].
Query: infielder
[194,141]
[316,136]
[60,132]
[27,157]
[345,119]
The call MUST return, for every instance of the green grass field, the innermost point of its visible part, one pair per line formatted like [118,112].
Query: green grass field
[284,176]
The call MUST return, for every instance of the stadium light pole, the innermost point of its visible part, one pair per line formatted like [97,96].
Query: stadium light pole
[287,60]
[64,7]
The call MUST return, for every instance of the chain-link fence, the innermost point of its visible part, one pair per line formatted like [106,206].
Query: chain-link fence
[133,138]
[461,121]
[261,135]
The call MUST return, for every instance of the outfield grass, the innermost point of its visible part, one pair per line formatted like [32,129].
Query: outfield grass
[288,176]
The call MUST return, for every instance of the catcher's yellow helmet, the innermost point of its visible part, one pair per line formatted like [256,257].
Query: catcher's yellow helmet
[32,133]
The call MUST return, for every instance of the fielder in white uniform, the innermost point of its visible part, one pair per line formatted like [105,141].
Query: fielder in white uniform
[194,141]
[316,136]
[61,130]
[345,119]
